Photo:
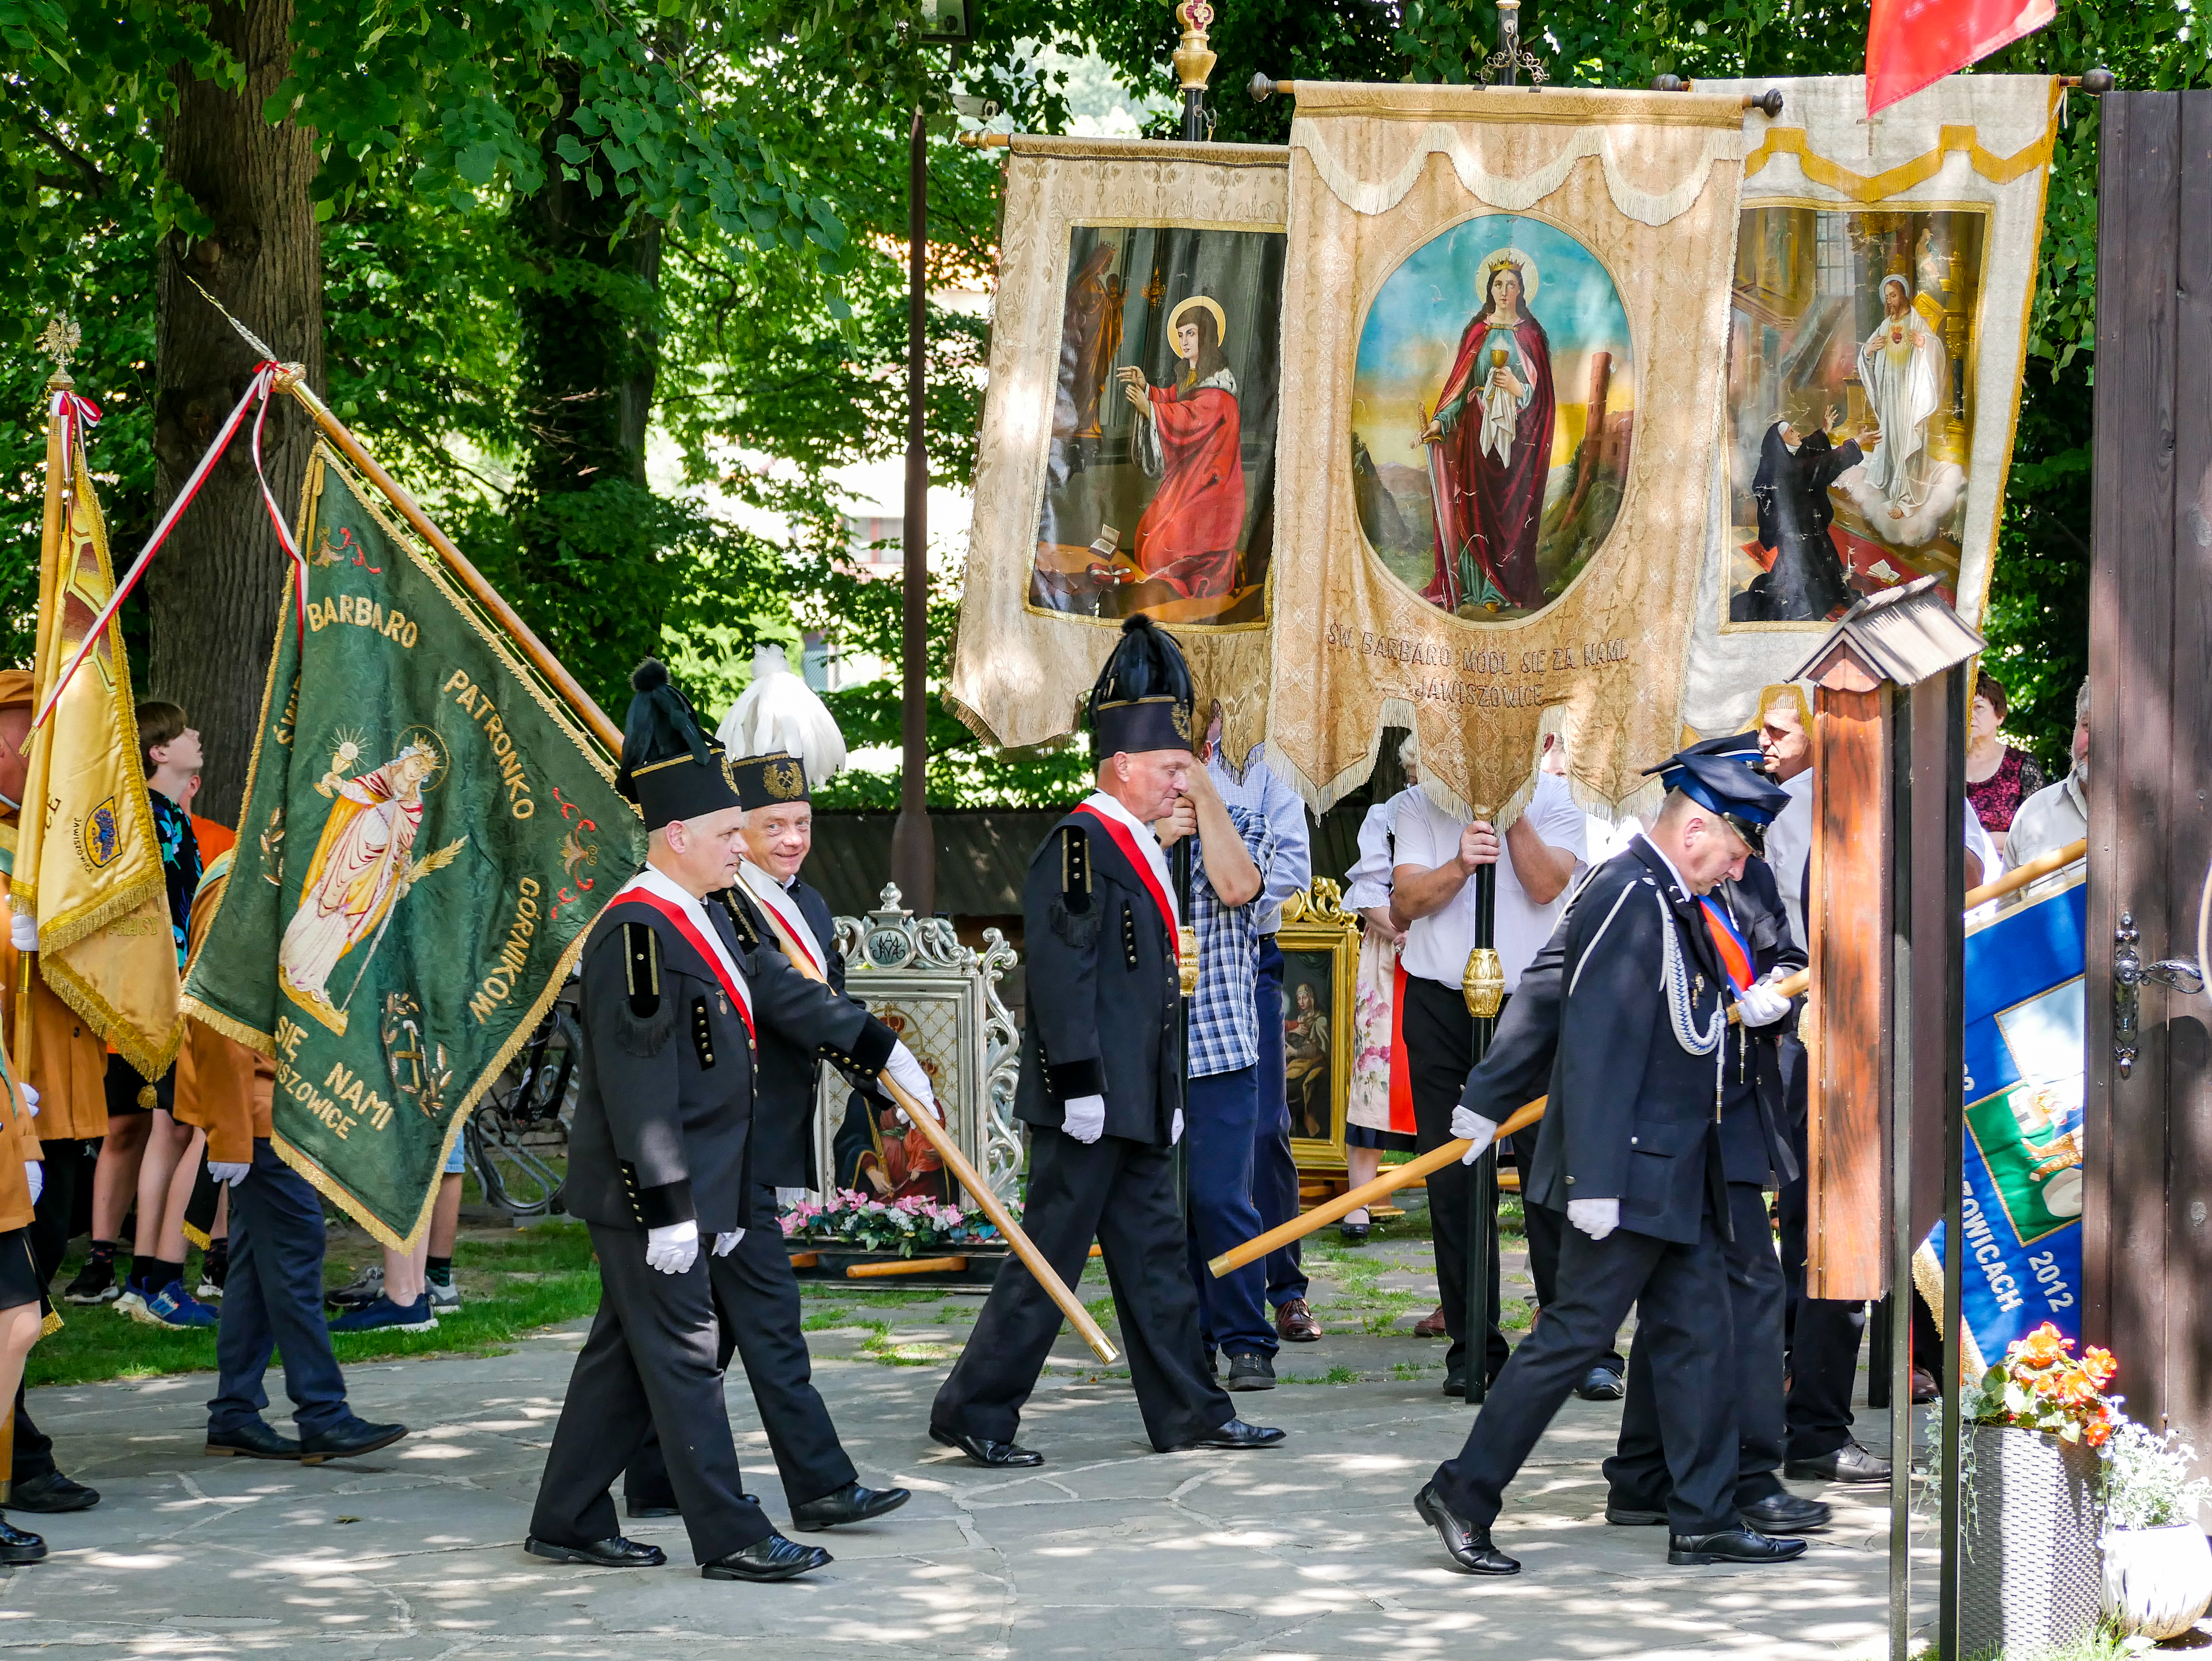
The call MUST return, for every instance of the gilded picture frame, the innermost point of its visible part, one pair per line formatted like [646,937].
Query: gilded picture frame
[1320,941]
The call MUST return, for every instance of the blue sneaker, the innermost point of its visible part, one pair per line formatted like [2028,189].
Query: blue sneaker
[385,1316]
[176,1308]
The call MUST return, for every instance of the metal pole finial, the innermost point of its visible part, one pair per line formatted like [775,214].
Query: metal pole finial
[59,341]
[1503,66]
[1193,63]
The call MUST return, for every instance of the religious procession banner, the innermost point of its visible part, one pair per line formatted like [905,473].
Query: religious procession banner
[88,862]
[427,835]
[1126,461]
[2025,1055]
[1879,308]
[1504,324]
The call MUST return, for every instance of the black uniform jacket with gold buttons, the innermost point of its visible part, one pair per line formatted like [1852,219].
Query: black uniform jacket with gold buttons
[784,1102]
[1632,1114]
[1103,995]
[665,1106]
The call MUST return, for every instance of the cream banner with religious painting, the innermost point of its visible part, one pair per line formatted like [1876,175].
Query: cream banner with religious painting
[1878,318]
[1504,328]
[1126,461]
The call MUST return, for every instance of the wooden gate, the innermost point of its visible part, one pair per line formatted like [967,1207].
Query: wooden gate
[2147,1237]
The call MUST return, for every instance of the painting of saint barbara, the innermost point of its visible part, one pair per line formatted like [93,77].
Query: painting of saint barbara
[1492,410]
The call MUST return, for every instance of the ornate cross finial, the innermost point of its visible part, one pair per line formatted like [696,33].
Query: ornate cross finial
[1194,62]
[60,341]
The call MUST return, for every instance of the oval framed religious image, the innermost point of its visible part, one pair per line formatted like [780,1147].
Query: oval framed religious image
[1493,405]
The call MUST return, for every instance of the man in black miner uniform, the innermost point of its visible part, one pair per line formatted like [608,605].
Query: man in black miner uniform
[659,1155]
[1754,1158]
[1629,1150]
[756,1294]
[1101,1086]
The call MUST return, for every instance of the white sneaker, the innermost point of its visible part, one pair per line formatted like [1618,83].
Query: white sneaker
[445,1298]
[133,1303]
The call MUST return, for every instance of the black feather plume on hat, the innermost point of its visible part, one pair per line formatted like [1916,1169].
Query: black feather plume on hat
[661,725]
[1143,698]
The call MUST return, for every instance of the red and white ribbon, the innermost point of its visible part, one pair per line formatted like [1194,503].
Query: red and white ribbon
[264,379]
[76,414]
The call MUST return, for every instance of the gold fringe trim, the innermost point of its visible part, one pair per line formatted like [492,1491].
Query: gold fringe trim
[1866,188]
[1928,1280]
[50,1324]
[73,990]
[232,1028]
[198,1236]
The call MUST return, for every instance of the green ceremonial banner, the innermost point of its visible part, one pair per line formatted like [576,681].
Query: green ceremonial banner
[427,835]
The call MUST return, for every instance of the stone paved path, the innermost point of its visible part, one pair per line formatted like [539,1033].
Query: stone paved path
[1108,1551]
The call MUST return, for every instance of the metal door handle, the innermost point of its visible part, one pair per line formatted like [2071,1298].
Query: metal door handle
[2129,976]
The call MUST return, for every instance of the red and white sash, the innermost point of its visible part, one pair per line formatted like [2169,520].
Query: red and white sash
[767,891]
[689,918]
[1142,849]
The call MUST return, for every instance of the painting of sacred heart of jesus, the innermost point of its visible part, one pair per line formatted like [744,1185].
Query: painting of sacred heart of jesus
[1850,417]
[1160,480]
[1493,405]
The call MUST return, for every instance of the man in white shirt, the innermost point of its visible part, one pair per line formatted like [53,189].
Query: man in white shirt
[1432,898]
[2058,813]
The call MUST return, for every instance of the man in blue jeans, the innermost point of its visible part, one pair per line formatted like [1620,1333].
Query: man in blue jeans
[1259,790]
[1222,1093]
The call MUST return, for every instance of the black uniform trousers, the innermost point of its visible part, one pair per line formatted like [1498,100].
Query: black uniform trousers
[756,1306]
[1637,1474]
[67,1168]
[1542,1228]
[1122,1192]
[1680,1295]
[649,1364]
[1439,1037]
[1824,1333]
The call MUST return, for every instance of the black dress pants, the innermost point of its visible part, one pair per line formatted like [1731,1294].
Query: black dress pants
[1122,1194]
[649,1363]
[757,1308]
[1680,1294]
[1541,1227]
[1824,1333]
[66,1166]
[1439,1037]
[1637,1474]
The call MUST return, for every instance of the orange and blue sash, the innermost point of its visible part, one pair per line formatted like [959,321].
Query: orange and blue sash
[1729,944]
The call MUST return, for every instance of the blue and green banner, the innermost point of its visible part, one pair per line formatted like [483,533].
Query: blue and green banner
[2025,1064]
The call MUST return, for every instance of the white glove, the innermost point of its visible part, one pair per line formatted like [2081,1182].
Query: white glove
[23,930]
[1174,1130]
[726,1244]
[1083,1117]
[1478,1131]
[30,1098]
[230,1171]
[36,1174]
[673,1250]
[1761,1004]
[902,1070]
[1595,1218]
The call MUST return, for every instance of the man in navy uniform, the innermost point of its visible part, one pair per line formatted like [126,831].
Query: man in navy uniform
[1101,1086]
[659,1159]
[1630,1150]
[756,1294]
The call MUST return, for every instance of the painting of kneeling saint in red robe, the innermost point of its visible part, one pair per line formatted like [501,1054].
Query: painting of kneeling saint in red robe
[1188,439]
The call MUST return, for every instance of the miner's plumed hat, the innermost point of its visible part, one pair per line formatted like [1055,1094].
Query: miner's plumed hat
[1723,775]
[774,780]
[668,768]
[1143,698]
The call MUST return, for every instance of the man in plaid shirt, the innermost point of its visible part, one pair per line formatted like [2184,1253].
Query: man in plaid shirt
[1235,849]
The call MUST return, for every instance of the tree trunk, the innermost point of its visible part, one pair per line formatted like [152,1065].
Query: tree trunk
[216,588]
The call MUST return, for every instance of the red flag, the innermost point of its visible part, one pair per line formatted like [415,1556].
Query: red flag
[1911,43]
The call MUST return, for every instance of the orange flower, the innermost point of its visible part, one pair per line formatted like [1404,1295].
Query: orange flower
[2041,1347]
[2099,1365]
[2098,1433]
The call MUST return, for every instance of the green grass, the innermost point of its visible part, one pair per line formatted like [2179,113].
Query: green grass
[1101,1309]
[821,1320]
[511,1283]
[887,1298]
[1333,1376]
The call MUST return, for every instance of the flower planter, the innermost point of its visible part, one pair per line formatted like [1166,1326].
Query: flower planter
[2030,1579]
[2157,1581]
[833,1257]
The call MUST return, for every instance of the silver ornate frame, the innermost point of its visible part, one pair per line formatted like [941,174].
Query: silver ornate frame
[897,961]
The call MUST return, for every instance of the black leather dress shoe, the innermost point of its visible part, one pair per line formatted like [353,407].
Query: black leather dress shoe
[647,1510]
[52,1492]
[1600,1384]
[1730,1546]
[17,1546]
[1633,1516]
[251,1440]
[1469,1546]
[349,1441]
[1233,1433]
[612,1553]
[1849,1464]
[773,1558]
[985,1452]
[1785,1513]
[850,1503]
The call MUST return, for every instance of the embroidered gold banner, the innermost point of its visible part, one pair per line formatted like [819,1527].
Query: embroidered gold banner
[1505,318]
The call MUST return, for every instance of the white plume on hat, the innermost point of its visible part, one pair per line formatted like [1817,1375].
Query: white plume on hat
[779,711]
